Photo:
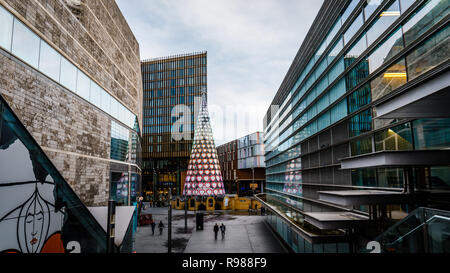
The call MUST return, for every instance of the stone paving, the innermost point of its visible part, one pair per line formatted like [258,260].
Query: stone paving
[244,234]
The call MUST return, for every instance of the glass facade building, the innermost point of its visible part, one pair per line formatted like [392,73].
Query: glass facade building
[339,132]
[172,93]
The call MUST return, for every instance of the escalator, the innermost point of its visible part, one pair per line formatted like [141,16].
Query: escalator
[425,230]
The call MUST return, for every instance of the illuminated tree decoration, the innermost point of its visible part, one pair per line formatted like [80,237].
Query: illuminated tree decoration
[203,177]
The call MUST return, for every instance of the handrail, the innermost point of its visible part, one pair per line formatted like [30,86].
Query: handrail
[434,217]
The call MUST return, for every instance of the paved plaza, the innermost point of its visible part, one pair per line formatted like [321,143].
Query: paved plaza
[244,234]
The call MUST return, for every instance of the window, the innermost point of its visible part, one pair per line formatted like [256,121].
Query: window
[337,70]
[49,61]
[359,98]
[349,10]
[360,123]
[423,19]
[355,51]
[357,74]
[361,146]
[337,91]
[391,46]
[384,20]
[25,44]
[338,46]
[354,27]
[398,138]
[106,102]
[339,111]
[431,134]
[429,54]
[96,93]
[6,26]
[370,7]
[389,80]
[83,86]
[68,76]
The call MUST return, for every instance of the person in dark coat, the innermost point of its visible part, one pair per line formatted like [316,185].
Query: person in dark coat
[216,230]
[153,227]
[222,229]
[161,226]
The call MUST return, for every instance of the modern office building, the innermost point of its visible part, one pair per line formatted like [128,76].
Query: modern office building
[70,112]
[172,86]
[358,149]
[243,165]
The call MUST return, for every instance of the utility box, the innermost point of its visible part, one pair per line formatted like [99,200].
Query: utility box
[199,221]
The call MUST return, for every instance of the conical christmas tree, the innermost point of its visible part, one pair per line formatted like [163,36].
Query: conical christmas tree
[204,177]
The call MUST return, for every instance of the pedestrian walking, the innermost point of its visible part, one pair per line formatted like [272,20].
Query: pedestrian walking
[256,209]
[161,226]
[222,229]
[263,211]
[153,227]
[140,204]
[216,230]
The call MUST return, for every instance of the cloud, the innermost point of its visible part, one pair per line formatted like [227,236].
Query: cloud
[250,44]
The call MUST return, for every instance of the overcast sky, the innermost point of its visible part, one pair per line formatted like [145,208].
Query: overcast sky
[250,45]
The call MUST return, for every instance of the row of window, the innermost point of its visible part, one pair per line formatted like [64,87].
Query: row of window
[175,82]
[192,61]
[422,134]
[158,129]
[391,79]
[173,74]
[18,39]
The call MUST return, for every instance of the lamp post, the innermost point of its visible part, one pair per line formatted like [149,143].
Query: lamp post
[110,231]
[169,226]
[154,188]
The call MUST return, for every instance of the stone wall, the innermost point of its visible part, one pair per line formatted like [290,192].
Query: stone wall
[104,48]
[74,134]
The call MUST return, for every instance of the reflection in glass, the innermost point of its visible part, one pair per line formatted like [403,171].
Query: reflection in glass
[337,69]
[389,80]
[360,123]
[25,44]
[349,10]
[6,25]
[359,98]
[338,46]
[431,134]
[357,74]
[429,54]
[391,46]
[423,19]
[398,138]
[354,27]
[355,51]
[385,19]
[361,146]
[371,6]
[120,137]
[49,61]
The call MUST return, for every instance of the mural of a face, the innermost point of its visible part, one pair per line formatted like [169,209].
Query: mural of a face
[33,224]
